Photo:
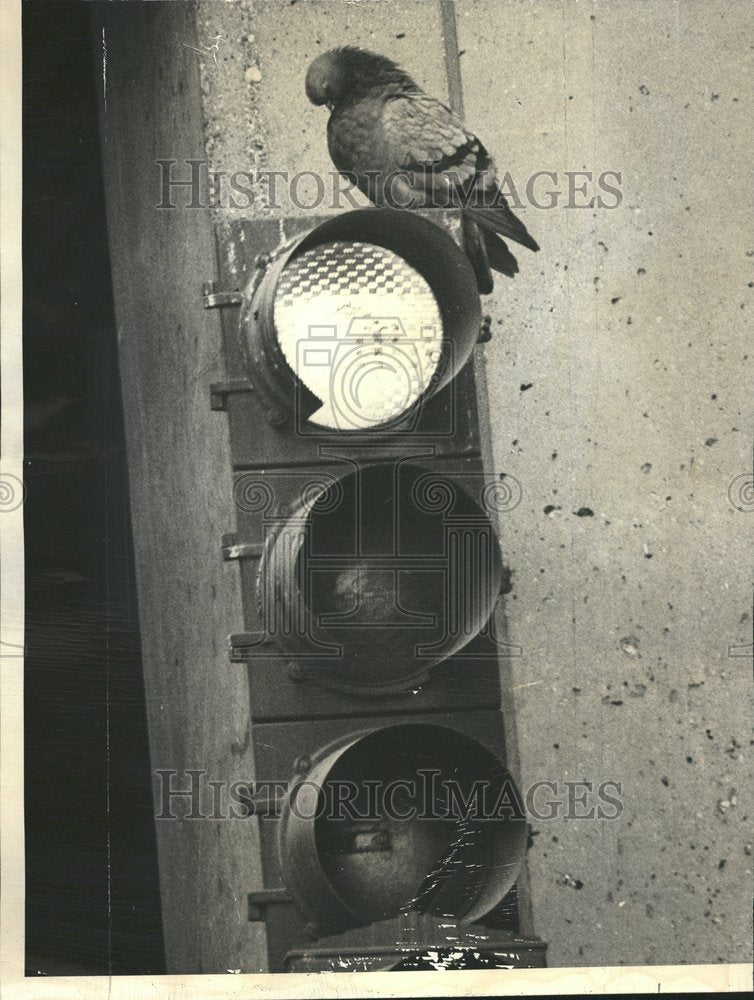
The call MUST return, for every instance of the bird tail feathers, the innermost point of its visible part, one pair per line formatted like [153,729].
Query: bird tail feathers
[499,256]
[502,221]
[475,245]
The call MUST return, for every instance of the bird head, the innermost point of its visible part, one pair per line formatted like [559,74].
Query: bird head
[348,71]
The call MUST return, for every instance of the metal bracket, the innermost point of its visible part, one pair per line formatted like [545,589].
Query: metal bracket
[219,392]
[264,804]
[242,642]
[215,300]
[260,900]
[233,549]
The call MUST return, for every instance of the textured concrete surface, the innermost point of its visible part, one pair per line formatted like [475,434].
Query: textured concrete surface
[632,328]
[256,113]
[188,598]
[620,394]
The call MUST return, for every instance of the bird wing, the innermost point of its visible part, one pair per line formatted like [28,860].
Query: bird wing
[426,140]
[443,165]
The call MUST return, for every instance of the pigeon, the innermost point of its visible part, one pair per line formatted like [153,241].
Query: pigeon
[405,149]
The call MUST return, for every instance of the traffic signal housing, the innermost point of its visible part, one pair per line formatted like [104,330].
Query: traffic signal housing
[354,324]
[370,570]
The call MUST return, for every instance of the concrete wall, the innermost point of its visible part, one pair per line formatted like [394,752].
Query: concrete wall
[630,329]
[633,326]
[180,480]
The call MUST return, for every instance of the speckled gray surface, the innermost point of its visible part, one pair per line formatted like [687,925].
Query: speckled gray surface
[620,393]
[264,51]
[633,327]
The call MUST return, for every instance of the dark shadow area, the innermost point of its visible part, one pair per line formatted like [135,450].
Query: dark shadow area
[92,895]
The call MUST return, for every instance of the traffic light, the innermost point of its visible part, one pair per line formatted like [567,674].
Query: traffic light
[355,324]
[390,828]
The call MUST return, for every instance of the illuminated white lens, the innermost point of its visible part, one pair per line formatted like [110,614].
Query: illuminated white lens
[361,329]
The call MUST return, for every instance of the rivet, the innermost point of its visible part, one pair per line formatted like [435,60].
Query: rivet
[297,671]
[275,417]
[302,764]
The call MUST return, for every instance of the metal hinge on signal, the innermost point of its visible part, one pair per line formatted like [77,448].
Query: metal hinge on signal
[215,300]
